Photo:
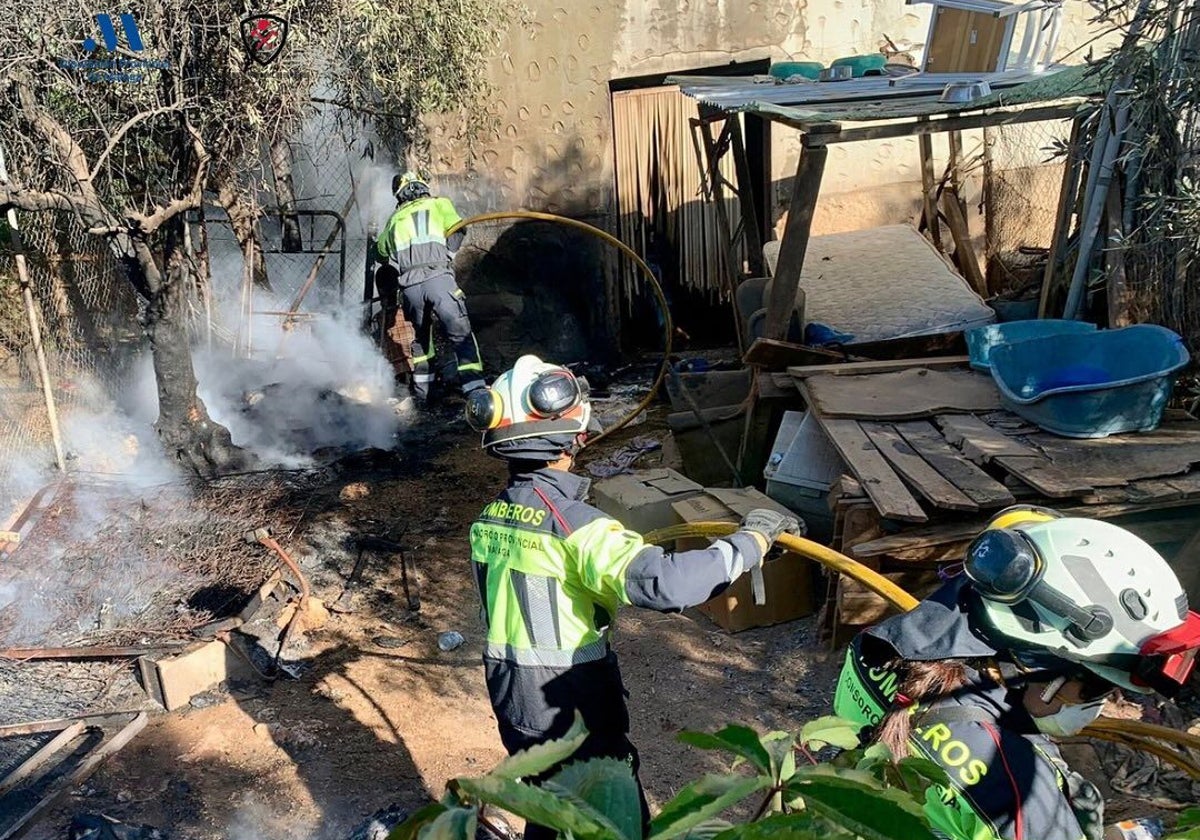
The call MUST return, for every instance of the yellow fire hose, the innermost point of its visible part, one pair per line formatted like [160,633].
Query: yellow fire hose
[1148,737]
[668,326]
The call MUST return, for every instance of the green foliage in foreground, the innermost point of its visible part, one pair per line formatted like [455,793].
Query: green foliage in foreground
[861,793]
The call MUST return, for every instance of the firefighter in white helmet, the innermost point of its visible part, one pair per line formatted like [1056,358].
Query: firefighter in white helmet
[552,570]
[1051,615]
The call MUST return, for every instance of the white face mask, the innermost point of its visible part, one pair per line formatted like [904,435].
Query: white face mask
[1069,720]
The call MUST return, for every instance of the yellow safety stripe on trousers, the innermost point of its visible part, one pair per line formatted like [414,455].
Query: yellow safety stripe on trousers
[475,366]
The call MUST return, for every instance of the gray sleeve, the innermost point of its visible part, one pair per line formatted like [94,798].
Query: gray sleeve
[455,240]
[672,581]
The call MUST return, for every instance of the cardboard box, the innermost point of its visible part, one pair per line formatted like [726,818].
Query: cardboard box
[788,579]
[642,501]
[718,504]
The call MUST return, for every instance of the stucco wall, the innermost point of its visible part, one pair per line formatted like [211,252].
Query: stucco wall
[553,149]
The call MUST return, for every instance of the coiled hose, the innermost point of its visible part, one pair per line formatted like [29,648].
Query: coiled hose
[668,325]
[1147,737]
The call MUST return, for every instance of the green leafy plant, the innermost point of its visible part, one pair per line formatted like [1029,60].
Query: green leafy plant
[861,793]
[1188,827]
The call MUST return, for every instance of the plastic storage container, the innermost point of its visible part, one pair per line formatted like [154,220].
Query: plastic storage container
[784,70]
[982,340]
[863,64]
[1090,385]
[802,467]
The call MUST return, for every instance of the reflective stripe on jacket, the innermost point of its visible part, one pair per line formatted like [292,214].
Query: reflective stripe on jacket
[552,572]
[415,235]
[1004,785]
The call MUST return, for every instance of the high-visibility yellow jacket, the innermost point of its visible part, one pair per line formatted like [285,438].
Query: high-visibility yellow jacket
[415,238]
[552,572]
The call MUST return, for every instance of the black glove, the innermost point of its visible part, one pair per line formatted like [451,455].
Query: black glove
[770,524]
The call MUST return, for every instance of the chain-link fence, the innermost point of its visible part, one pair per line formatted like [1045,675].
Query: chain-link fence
[1022,182]
[88,314]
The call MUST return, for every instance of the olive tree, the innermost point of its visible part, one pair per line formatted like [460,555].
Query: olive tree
[128,140]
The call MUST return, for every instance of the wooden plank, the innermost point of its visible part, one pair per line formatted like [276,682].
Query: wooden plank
[945,534]
[777,355]
[807,186]
[835,133]
[30,765]
[1043,476]
[929,190]
[909,394]
[883,486]
[979,487]
[961,234]
[860,368]
[977,440]
[911,347]
[1119,459]
[78,776]
[915,469]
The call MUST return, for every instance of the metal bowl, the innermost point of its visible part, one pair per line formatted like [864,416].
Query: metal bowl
[959,92]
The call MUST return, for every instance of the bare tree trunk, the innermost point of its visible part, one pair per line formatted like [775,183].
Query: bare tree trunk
[242,220]
[187,433]
[285,194]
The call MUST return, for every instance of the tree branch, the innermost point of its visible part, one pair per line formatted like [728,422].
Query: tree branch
[116,138]
[20,198]
[148,224]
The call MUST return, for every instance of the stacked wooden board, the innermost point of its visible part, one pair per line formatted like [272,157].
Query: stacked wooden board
[933,456]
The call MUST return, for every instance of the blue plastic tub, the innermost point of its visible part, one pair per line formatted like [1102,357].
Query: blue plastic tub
[982,340]
[1091,385]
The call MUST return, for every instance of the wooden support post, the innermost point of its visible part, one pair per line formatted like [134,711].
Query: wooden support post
[929,190]
[750,225]
[1067,194]
[35,329]
[1114,257]
[956,168]
[962,242]
[809,172]
[712,167]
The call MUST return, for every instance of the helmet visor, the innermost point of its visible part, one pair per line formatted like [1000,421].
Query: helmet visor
[1002,566]
[554,393]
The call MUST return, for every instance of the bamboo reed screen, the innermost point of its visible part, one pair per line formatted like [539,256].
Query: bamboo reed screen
[661,188]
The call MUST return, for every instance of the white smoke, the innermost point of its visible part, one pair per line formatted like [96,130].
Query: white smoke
[319,385]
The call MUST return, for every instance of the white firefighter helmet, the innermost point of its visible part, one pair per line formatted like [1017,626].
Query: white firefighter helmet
[536,408]
[1087,592]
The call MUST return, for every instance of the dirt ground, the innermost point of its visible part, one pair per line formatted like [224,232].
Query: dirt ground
[370,725]
[381,718]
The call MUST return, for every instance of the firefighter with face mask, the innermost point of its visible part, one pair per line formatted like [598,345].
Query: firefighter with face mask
[1051,616]
[553,571]
[418,261]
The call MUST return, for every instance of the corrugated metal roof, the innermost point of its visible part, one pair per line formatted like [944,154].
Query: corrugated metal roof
[875,98]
